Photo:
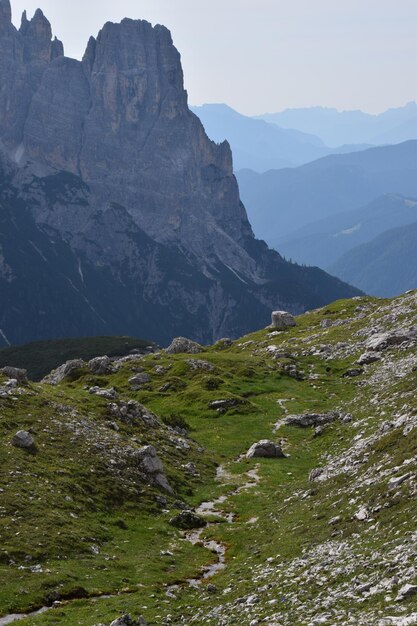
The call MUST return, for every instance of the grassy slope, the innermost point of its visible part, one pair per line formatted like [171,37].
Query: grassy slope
[121,518]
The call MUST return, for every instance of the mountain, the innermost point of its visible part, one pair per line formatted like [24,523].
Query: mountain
[348,127]
[323,242]
[280,202]
[136,216]
[385,266]
[127,487]
[260,146]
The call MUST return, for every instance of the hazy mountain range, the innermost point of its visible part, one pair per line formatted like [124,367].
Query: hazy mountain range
[340,127]
[261,146]
[385,266]
[280,202]
[323,242]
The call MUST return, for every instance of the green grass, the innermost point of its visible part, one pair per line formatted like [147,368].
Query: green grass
[103,532]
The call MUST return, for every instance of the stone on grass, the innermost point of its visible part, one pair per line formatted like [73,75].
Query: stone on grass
[24,440]
[138,380]
[64,371]
[127,620]
[188,520]
[15,373]
[265,449]
[405,592]
[183,345]
[312,419]
[100,365]
[282,320]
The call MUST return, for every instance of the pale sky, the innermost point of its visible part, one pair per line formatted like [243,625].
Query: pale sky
[267,55]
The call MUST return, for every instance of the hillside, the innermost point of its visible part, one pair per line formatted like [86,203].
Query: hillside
[324,534]
[385,266]
[324,242]
[280,202]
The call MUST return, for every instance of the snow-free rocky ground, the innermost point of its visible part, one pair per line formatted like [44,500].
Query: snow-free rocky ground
[325,535]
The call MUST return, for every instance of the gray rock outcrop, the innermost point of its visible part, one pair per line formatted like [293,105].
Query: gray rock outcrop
[63,371]
[100,365]
[187,520]
[151,464]
[15,373]
[306,420]
[265,449]
[183,345]
[282,320]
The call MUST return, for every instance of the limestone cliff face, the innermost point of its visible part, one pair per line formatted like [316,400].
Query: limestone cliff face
[117,173]
[24,56]
[120,121]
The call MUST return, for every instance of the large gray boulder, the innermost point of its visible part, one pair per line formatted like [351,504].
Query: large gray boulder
[64,371]
[265,449]
[100,365]
[24,440]
[183,345]
[282,320]
[187,520]
[15,373]
[151,464]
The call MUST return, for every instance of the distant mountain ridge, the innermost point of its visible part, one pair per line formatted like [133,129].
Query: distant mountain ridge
[340,127]
[323,242]
[385,266]
[280,202]
[262,146]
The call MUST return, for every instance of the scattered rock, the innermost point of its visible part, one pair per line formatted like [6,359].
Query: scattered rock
[361,514]
[183,345]
[368,357]
[188,520]
[199,364]
[381,341]
[355,371]
[24,440]
[312,419]
[137,381]
[152,465]
[405,592]
[15,373]
[393,483]
[110,394]
[100,365]
[265,449]
[64,371]
[282,320]
[223,405]
[127,620]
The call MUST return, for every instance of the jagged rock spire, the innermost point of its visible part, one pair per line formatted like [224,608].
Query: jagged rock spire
[5,16]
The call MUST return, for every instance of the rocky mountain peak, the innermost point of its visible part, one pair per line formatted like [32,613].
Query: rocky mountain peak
[5,17]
